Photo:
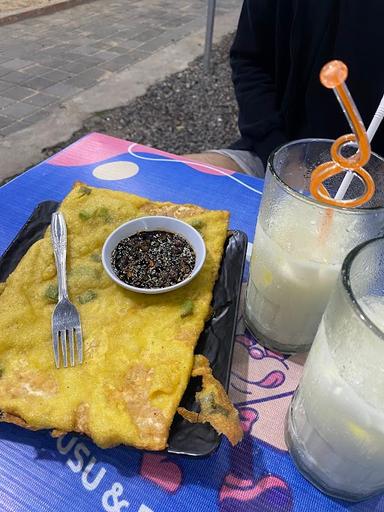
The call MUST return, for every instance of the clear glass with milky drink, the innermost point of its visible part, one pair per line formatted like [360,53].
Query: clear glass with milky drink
[300,244]
[335,424]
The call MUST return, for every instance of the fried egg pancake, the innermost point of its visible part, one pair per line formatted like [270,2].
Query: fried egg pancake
[215,406]
[138,349]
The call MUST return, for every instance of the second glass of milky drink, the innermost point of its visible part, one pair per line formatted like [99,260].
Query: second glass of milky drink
[335,424]
[300,244]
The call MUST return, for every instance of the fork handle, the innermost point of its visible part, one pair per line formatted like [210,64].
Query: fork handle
[59,242]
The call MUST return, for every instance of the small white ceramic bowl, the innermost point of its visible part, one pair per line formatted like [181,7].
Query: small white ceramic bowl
[154,223]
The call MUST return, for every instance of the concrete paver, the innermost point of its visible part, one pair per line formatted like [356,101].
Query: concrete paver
[47,59]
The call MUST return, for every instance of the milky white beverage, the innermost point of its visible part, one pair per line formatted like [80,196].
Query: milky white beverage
[291,276]
[335,426]
[299,248]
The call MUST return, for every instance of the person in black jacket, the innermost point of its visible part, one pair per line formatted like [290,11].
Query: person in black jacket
[276,57]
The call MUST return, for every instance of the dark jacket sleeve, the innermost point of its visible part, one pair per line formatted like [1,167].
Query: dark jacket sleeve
[252,60]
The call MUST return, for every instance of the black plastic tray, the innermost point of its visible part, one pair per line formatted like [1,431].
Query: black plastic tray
[215,342]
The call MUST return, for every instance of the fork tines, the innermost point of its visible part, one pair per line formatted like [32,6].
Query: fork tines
[64,341]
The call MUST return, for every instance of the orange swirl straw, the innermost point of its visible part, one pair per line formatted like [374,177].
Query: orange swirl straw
[333,76]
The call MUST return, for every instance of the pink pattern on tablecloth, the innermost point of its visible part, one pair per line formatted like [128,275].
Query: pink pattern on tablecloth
[246,490]
[97,147]
[161,471]
[248,416]
[245,486]
[265,381]
[92,149]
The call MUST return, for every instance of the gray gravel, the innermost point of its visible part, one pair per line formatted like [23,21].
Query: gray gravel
[187,112]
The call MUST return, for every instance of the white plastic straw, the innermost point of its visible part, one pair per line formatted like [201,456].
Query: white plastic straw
[372,129]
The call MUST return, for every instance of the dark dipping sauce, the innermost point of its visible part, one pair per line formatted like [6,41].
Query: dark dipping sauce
[153,259]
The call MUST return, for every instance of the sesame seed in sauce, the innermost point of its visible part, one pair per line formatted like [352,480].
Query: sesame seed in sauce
[153,259]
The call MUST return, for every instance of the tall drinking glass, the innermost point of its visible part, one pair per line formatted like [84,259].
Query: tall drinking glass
[300,244]
[335,424]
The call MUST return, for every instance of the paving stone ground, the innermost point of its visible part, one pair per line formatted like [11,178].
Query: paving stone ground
[46,60]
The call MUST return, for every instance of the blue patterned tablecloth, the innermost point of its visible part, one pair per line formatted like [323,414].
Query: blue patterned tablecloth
[38,473]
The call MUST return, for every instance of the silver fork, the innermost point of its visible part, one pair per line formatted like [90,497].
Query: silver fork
[65,317]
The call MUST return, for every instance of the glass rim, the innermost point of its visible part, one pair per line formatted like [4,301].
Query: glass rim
[347,287]
[311,200]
